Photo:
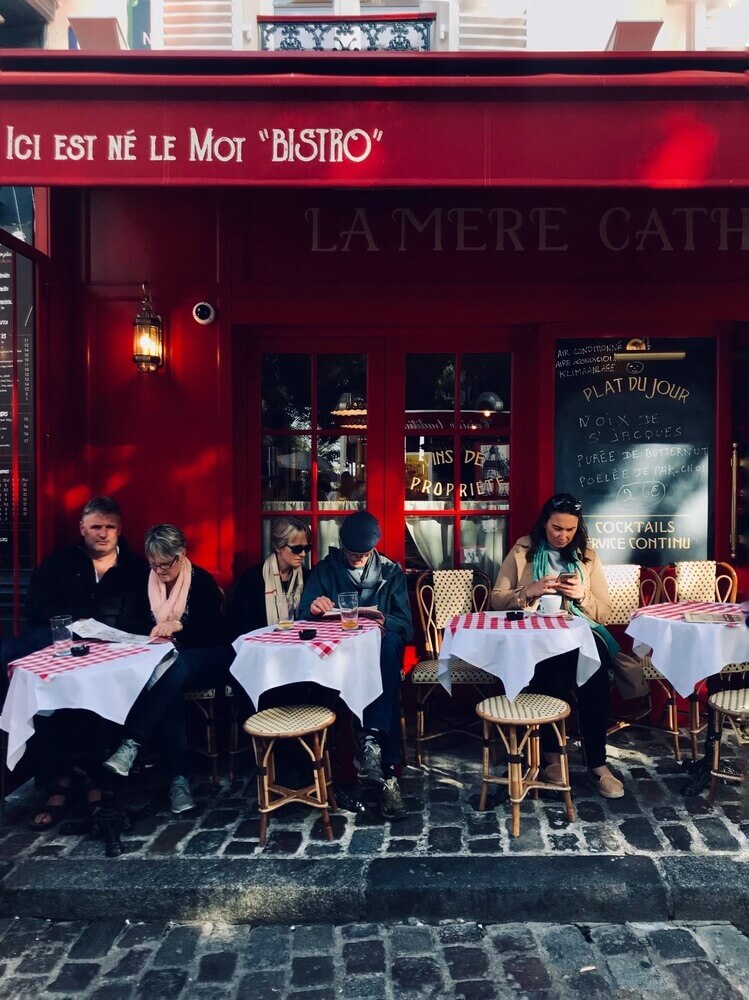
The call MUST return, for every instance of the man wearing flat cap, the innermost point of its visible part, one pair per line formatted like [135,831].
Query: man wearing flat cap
[379,582]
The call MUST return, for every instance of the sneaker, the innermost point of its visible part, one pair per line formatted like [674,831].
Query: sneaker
[180,795]
[368,761]
[392,805]
[123,758]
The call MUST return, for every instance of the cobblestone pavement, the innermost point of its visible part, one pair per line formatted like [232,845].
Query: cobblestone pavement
[653,818]
[116,960]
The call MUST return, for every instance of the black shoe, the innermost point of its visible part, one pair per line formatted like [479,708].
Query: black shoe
[392,805]
[368,760]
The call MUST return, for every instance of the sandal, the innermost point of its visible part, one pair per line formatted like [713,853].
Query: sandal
[56,813]
[607,785]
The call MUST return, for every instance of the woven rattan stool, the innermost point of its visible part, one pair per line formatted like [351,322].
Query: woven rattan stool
[308,724]
[732,705]
[527,713]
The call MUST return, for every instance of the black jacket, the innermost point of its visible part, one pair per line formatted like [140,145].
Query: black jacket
[203,619]
[65,584]
[247,602]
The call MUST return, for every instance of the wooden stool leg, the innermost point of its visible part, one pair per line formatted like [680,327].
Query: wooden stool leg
[673,724]
[694,723]
[419,729]
[318,767]
[329,783]
[262,786]
[485,767]
[514,772]
[716,758]
[534,754]
[565,766]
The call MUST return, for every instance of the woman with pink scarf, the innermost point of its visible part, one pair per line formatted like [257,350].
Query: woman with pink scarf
[186,608]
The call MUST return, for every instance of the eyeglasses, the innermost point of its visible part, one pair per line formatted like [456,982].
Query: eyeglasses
[160,567]
[566,502]
[356,556]
[299,549]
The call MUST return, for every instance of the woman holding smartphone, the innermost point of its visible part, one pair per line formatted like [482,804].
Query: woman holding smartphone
[556,559]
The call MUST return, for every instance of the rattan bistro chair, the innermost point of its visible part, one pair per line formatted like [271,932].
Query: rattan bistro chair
[439,595]
[527,713]
[204,701]
[731,705]
[308,724]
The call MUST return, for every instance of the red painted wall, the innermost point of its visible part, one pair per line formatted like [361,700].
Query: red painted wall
[171,446]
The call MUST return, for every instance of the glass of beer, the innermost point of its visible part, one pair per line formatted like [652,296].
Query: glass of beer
[349,605]
[292,606]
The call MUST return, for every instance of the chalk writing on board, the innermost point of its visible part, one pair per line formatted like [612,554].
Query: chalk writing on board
[636,446]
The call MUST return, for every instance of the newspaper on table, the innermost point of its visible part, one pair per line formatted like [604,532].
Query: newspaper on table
[89,628]
[715,617]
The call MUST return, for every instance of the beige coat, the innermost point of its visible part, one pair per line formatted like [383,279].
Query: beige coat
[516,573]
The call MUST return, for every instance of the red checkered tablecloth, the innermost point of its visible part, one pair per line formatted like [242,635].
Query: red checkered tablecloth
[678,610]
[329,635]
[485,620]
[45,664]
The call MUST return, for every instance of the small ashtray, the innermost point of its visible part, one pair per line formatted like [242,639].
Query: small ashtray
[79,650]
[514,616]
[307,633]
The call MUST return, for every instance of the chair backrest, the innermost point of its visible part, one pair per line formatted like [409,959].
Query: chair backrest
[441,593]
[623,580]
[651,586]
[700,580]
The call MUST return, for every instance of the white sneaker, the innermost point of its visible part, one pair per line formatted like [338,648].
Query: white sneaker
[123,758]
[180,795]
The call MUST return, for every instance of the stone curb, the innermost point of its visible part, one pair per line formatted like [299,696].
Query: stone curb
[605,888]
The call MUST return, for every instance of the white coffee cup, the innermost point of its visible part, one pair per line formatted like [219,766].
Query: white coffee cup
[550,604]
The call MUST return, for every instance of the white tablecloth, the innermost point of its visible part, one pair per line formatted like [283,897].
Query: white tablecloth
[688,652]
[353,668]
[512,654]
[108,688]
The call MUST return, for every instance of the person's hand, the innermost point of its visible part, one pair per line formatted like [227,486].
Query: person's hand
[544,585]
[573,590]
[165,630]
[320,605]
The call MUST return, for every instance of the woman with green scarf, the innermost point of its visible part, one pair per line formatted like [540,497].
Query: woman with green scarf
[558,544]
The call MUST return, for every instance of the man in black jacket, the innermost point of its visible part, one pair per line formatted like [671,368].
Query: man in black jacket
[379,583]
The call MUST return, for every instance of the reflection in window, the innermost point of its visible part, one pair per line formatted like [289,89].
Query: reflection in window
[342,391]
[429,542]
[286,391]
[328,535]
[430,472]
[286,472]
[483,541]
[484,475]
[430,392]
[484,390]
[341,473]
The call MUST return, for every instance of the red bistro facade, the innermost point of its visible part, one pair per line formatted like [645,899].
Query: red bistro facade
[428,273]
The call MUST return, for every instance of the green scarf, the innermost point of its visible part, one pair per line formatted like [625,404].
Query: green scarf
[541,567]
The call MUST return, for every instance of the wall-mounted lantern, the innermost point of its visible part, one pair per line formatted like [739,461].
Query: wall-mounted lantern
[148,336]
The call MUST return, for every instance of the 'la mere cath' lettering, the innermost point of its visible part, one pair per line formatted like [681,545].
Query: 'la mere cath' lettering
[542,228]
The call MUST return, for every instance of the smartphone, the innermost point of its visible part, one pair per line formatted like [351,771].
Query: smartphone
[567,577]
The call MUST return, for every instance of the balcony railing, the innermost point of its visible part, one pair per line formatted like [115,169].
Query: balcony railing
[361,33]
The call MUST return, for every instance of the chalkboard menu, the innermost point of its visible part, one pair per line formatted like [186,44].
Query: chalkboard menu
[16,420]
[635,432]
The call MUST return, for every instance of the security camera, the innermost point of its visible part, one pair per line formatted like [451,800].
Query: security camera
[203,313]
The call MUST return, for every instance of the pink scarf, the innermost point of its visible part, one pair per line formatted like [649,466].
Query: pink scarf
[171,608]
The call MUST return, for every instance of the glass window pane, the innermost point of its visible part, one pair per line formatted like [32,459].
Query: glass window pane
[328,535]
[342,391]
[341,472]
[285,464]
[430,472]
[483,543]
[430,392]
[286,391]
[484,474]
[267,524]
[429,542]
[485,390]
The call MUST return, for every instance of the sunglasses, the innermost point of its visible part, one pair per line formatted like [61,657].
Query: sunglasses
[299,549]
[565,502]
[156,567]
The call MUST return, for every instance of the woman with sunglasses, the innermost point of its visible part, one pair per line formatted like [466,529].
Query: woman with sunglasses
[266,592]
[186,608]
[556,559]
